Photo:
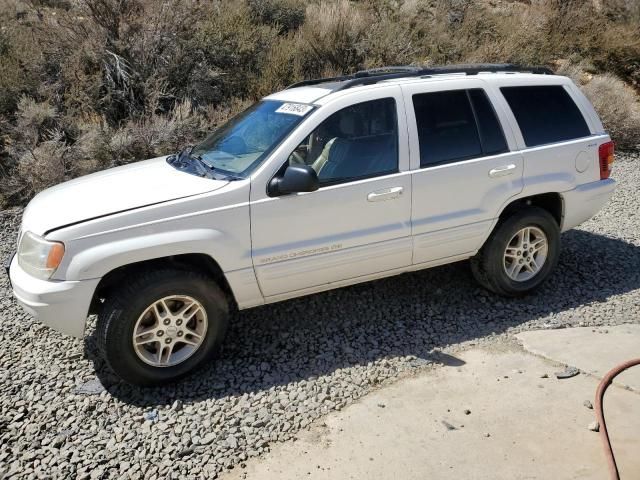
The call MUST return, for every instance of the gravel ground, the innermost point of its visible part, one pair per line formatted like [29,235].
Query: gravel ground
[286,365]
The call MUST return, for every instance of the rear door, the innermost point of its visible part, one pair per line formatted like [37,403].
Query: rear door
[464,166]
[558,139]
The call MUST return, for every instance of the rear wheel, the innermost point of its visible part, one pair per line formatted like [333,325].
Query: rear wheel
[520,253]
[162,326]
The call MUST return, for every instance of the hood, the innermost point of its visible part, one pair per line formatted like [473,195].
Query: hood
[111,191]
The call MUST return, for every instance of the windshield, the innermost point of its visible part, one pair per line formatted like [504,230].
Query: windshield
[243,142]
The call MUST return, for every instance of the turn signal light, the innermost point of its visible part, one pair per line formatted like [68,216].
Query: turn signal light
[55,255]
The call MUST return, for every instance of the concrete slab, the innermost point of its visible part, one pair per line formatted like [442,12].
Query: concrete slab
[592,350]
[520,426]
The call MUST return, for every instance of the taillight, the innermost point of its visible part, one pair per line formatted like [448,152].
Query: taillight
[605,153]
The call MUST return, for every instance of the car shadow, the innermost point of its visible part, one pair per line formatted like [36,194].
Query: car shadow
[412,314]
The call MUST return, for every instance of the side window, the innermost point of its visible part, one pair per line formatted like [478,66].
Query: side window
[446,128]
[545,114]
[358,141]
[456,125]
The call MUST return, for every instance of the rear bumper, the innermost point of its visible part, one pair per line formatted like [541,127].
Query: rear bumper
[584,201]
[61,305]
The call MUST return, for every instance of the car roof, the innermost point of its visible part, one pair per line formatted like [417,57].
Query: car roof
[322,90]
[300,94]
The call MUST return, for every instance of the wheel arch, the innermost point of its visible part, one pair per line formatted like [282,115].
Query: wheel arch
[200,262]
[552,202]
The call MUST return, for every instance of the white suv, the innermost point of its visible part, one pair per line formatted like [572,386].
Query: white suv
[327,183]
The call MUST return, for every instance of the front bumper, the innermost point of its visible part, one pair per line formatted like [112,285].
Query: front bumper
[584,201]
[61,305]
[7,264]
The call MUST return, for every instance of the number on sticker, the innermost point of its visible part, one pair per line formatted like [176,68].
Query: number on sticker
[294,108]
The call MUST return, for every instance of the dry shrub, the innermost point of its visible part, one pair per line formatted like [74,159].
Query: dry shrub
[44,165]
[100,146]
[95,145]
[282,66]
[286,15]
[11,79]
[109,56]
[623,10]
[581,73]
[92,149]
[331,36]
[616,103]
[618,107]
[34,118]
[219,114]
[619,52]
[451,31]
[233,47]
[17,60]
[88,84]
[39,148]
[529,35]
[391,37]
[160,134]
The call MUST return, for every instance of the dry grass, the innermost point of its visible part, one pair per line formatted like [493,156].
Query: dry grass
[332,35]
[87,84]
[617,104]
[44,165]
[618,107]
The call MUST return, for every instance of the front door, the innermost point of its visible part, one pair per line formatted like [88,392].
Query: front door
[464,168]
[358,222]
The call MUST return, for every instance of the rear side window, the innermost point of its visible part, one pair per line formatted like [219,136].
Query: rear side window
[456,125]
[545,114]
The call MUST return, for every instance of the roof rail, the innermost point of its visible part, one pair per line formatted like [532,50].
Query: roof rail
[387,70]
[375,75]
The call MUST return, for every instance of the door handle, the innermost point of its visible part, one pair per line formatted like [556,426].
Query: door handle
[502,171]
[390,193]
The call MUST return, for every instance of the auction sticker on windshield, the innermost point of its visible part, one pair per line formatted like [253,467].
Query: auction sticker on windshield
[294,108]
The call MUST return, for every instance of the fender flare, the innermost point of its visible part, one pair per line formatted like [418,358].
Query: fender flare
[97,261]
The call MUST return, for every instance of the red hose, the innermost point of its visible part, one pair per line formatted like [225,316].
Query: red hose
[606,442]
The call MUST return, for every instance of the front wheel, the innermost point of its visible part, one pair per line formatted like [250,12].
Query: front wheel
[520,253]
[162,326]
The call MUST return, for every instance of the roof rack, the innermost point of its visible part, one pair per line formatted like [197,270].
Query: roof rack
[375,75]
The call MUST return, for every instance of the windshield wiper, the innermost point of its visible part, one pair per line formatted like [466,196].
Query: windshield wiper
[202,167]
[183,160]
[212,168]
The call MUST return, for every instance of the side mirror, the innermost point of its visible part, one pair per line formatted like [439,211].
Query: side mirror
[296,178]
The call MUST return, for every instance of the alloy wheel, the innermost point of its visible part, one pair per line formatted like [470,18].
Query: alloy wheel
[170,330]
[526,253]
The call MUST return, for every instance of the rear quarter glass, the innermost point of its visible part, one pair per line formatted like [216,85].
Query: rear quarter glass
[545,114]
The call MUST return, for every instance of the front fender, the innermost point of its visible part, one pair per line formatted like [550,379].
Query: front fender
[98,260]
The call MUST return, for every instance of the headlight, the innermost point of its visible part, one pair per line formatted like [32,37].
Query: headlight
[39,257]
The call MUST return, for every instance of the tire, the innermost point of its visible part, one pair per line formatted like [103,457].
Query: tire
[130,306]
[491,263]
